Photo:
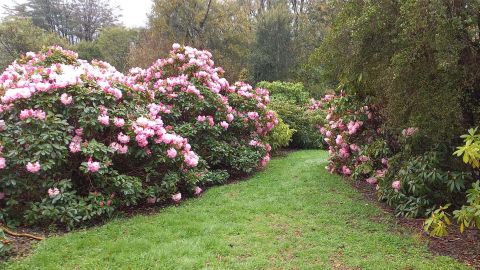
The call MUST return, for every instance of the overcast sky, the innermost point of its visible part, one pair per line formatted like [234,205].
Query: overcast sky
[134,12]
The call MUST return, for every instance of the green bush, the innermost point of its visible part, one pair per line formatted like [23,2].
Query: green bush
[292,103]
[423,184]
[280,136]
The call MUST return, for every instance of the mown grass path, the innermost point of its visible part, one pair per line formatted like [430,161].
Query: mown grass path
[293,215]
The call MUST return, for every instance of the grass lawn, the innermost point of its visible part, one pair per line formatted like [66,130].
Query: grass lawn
[293,215]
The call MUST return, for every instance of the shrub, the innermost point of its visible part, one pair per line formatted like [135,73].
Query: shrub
[422,185]
[80,139]
[291,102]
[413,183]
[350,125]
[280,136]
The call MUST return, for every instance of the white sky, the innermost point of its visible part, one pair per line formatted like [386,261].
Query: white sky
[134,12]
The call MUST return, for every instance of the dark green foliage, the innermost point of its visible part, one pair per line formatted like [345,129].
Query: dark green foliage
[271,57]
[418,59]
[425,184]
[291,102]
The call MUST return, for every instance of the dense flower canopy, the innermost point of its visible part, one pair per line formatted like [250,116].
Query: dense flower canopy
[85,138]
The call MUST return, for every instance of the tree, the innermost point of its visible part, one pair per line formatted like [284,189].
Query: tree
[114,45]
[417,59]
[91,16]
[19,36]
[74,20]
[223,27]
[88,50]
[272,52]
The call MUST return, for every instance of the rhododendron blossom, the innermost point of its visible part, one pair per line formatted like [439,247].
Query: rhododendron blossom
[224,124]
[93,166]
[396,185]
[118,122]
[104,119]
[371,180]
[36,114]
[177,197]
[33,167]
[3,163]
[66,99]
[171,153]
[53,192]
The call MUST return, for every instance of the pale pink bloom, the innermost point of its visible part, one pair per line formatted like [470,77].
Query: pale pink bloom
[151,200]
[53,192]
[119,122]
[339,139]
[93,166]
[354,147]
[39,114]
[3,126]
[177,197]
[371,180]
[409,131]
[353,127]
[384,161]
[122,149]
[265,160]
[104,119]
[363,158]
[230,117]
[3,163]
[142,121]
[76,144]
[210,121]
[268,147]
[176,46]
[33,167]
[380,173]
[191,159]
[344,153]
[66,99]
[224,124]
[328,134]
[346,171]
[253,143]
[396,185]
[198,190]
[123,138]
[171,153]
[79,131]
[201,118]
[252,115]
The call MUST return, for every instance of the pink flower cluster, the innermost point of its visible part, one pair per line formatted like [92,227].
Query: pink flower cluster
[409,132]
[35,114]
[191,73]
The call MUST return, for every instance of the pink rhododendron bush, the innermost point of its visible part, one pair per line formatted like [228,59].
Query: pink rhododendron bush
[414,183]
[79,140]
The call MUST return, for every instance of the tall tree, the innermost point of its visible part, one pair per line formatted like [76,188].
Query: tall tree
[272,51]
[19,35]
[223,27]
[114,45]
[74,20]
